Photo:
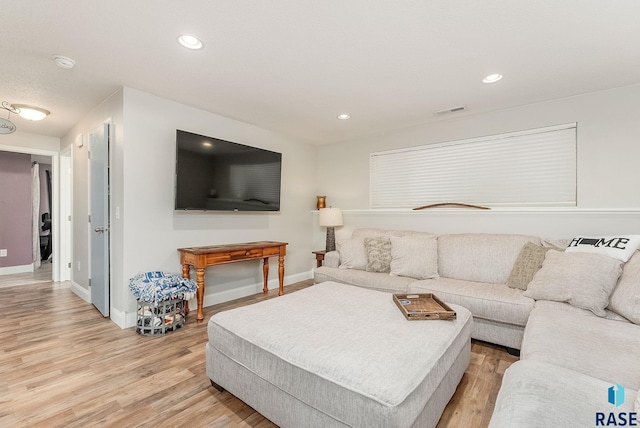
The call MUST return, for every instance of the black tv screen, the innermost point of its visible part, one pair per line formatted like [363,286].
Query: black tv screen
[218,175]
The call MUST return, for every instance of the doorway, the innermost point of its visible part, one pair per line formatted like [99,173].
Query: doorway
[25,268]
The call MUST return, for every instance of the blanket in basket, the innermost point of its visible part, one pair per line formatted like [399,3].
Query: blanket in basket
[158,286]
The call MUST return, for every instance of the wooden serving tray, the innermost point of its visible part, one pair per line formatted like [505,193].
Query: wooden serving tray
[425,306]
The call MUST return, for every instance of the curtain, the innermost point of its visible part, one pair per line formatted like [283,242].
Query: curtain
[35,214]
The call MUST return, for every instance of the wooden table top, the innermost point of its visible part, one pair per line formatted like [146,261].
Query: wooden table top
[230,247]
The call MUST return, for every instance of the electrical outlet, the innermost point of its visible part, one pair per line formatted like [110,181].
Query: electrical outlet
[3,253]
[78,267]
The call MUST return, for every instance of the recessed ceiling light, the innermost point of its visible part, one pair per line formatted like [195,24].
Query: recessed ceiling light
[30,112]
[492,78]
[206,144]
[63,61]
[190,42]
[343,116]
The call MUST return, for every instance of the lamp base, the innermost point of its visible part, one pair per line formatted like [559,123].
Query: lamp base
[331,239]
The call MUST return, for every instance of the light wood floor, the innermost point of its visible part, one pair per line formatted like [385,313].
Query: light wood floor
[41,275]
[63,364]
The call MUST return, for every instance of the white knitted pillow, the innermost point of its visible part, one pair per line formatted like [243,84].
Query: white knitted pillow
[619,247]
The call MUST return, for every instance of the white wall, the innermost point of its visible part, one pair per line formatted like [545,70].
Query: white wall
[607,163]
[109,110]
[152,230]
[25,142]
[608,147]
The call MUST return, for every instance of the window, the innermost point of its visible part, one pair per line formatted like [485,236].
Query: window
[527,168]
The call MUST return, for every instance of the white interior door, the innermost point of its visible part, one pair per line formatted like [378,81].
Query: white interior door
[99,217]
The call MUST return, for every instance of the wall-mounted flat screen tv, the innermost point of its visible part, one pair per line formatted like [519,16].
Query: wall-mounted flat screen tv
[218,175]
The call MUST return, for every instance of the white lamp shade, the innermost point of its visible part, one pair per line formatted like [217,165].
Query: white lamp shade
[331,217]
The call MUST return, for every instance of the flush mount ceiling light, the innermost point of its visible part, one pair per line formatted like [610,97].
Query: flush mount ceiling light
[492,78]
[190,42]
[64,62]
[31,112]
[343,116]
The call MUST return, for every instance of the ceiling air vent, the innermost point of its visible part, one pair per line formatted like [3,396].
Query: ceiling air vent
[450,110]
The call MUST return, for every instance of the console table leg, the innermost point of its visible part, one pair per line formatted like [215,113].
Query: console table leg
[281,274]
[265,274]
[186,273]
[200,293]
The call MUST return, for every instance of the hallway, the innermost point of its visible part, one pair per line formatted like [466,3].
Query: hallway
[41,275]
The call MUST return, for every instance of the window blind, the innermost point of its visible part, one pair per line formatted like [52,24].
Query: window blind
[527,168]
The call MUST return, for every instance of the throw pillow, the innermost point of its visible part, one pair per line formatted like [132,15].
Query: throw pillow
[529,261]
[625,299]
[414,256]
[352,254]
[619,247]
[378,254]
[581,279]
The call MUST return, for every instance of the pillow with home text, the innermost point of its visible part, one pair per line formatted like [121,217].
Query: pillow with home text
[619,247]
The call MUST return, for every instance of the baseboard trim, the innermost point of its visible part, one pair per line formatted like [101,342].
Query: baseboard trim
[128,319]
[123,319]
[81,292]
[10,270]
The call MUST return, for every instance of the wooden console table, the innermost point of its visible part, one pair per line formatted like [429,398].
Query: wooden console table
[201,257]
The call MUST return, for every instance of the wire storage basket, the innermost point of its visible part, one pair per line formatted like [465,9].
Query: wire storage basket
[161,317]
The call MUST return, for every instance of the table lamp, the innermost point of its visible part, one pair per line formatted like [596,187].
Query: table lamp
[330,217]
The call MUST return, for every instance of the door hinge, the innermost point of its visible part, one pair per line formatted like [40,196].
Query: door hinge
[89,218]
[69,265]
[89,282]
[89,155]
[69,218]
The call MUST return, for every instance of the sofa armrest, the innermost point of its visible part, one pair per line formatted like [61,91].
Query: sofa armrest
[332,259]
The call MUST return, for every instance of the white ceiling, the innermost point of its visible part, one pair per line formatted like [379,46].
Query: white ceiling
[293,65]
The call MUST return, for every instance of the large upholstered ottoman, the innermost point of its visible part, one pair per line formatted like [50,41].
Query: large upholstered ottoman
[335,355]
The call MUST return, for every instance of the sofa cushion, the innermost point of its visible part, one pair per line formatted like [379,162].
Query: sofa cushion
[565,307]
[480,257]
[583,280]
[580,341]
[372,280]
[535,394]
[495,302]
[620,247]
[625,299]
[352,254]
[378,254]
[385,233]
[414,256]
[529,262]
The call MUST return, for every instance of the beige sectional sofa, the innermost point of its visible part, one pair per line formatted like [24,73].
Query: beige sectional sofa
[570,357]
[470,270]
